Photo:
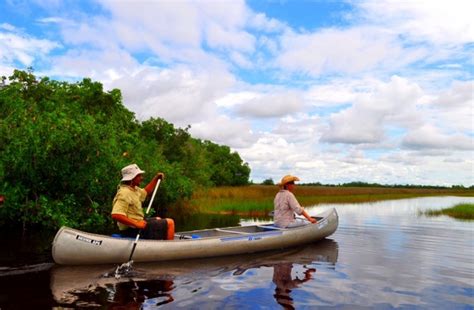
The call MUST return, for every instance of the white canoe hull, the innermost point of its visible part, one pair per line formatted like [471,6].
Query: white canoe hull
[75,247]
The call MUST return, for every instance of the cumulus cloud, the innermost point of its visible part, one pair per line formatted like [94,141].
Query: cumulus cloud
[271,105]
[174,23]
[455,107]
[218,37]
[301,128]
[17,48]
[179,95]
[270,25]
[224,130]
[430,137]
[99,64]
[393,103]
[439,22]
[271,156]
[351,50]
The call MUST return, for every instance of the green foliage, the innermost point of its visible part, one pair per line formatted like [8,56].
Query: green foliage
[268,182]
[228,167]
[463,211]
[62,146]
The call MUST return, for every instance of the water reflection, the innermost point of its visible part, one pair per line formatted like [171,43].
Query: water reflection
[154,284]
[285,282]
[126,295]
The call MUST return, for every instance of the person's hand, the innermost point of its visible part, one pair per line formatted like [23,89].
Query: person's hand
[309,272]
[160,176]
[313,220]
[141,224]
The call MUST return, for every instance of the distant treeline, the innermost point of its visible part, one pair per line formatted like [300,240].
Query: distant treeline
[62,146]
[365,184]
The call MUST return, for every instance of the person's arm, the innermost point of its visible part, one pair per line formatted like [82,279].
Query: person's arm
[128,221]
[308,217]
[296,207]
[151,186]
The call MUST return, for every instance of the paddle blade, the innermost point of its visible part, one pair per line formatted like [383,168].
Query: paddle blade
[123,269]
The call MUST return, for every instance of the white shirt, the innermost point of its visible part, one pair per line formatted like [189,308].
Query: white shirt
[286,205]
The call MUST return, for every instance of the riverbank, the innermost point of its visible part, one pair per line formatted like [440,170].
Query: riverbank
[258,199]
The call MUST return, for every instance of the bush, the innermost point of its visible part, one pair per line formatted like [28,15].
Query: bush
[62,146]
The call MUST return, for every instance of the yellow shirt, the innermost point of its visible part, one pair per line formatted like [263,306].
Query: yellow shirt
[128,201]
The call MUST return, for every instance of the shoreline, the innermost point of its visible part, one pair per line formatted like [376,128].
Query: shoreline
[259,198]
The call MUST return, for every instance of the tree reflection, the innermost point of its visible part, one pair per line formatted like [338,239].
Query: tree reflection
[285,283]
[125,295]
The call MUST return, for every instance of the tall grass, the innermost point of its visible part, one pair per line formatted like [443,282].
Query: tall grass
[460,211]
[258,199]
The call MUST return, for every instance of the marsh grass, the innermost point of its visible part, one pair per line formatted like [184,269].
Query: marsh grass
[463,211]
[258,199]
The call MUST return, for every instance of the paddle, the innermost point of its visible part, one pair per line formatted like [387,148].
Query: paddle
[127,266]
[272,213]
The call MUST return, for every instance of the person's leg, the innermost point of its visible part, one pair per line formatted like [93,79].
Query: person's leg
[170,234]
[156,229]
[129,233]
[297,222]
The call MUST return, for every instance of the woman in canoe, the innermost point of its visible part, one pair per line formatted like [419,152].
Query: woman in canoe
[127,207]
[286,205]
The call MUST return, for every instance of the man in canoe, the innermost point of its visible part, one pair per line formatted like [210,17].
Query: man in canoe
[286,205]
[127,207]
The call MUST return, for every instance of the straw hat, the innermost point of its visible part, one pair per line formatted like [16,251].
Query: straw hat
[287,179]
[130,171]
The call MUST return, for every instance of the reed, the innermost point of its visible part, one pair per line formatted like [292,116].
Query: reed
[463,211]
[258,199]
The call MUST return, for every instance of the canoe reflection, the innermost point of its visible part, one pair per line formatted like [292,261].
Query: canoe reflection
[95,285]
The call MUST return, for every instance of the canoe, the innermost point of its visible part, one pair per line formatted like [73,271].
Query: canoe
[75,247]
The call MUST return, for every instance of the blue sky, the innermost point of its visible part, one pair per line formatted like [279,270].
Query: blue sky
[331,91]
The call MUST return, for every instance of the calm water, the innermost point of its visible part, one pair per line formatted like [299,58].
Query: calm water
[384,255]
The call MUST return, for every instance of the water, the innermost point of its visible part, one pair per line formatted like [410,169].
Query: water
[384,255]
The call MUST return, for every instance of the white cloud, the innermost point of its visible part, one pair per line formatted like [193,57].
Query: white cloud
[352,50]
[300,128]
[89,33]
[454,107]
[180,96]
[224,130]
[392,103]
[235,98]
[97,63]
[173,23]
[7,27]
[240,60]
[52,20]
[218,37]
[24,49]
[430,137]
[262,22]
[271,105]
[439,22]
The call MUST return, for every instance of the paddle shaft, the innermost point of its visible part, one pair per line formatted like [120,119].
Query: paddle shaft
[146,213]
[272,213]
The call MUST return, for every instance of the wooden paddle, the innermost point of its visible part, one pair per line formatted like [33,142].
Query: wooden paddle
[127,266]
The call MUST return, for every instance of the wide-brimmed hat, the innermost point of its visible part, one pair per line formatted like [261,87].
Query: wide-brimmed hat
[287,179]
[131,171]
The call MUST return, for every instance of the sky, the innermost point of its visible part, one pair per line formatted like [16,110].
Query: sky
[330,91]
